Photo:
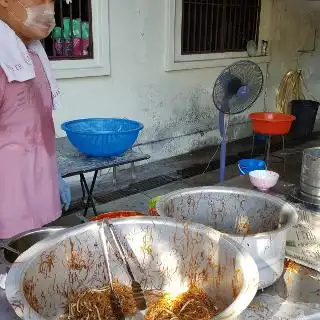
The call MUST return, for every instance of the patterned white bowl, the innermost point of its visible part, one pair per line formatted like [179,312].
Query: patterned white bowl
[264,179]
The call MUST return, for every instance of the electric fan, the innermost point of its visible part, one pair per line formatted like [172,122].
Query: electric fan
[236,89]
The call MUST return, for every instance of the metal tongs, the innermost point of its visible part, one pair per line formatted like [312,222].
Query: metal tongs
[114,298]
[7,247]
[135,285]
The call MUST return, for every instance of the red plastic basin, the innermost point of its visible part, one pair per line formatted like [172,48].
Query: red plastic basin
[271,123]
[115,215]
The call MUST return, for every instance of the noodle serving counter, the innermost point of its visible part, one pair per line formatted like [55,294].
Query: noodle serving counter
[296,295]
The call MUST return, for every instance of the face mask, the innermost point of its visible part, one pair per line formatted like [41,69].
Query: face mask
[40,17]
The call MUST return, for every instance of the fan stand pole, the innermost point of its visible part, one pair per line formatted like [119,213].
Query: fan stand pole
[223,150]
[223,159]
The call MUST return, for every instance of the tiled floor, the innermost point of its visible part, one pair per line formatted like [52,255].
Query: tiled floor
[179,167]
[212,177]
[166,189]
[138,201]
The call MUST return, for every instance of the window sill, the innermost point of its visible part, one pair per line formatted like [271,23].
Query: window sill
[67,69]
[212,63]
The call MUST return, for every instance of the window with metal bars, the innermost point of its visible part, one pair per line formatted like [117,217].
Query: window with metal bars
[217,26]
[71,39]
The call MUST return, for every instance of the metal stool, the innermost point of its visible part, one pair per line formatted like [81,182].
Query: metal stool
[268,149]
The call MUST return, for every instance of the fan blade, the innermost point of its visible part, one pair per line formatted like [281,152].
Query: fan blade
[240,84]
[243,92]
[233,86]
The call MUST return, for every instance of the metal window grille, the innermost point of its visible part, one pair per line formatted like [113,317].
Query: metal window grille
[213,26]
[71,39]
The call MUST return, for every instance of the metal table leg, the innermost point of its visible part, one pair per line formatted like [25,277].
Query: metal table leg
[253,144]
[284,156]
[114,178]
[133,171]
[281,157]
[89,191]
[83,191]
[268,147]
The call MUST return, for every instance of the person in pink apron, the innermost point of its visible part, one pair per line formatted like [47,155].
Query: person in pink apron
[29,184]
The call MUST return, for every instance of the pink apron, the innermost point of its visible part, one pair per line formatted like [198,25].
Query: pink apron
[29,195]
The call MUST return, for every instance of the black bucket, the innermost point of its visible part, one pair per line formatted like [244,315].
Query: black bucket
[305,112]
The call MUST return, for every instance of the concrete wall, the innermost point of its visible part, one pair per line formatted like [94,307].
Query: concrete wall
[175,107]
[294,26]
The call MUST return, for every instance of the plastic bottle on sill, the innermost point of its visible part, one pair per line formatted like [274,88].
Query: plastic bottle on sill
[264,47]
[76,39]
[68,44]
[58,43]
[85,38]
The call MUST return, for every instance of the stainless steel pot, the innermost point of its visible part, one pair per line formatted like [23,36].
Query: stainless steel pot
[24,241]
[164,255]
[311,158]
[256,220]
[310,177]
[310,173]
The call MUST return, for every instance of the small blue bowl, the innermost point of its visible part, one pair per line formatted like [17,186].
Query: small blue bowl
[102,137]
[247,165]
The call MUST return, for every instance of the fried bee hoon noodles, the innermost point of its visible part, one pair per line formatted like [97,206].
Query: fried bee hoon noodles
[95,304]
[191,305]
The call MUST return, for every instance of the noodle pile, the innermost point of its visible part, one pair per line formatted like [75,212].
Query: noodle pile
[191,305]
[95,304]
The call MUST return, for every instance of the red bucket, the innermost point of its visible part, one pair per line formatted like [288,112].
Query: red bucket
[271,123]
